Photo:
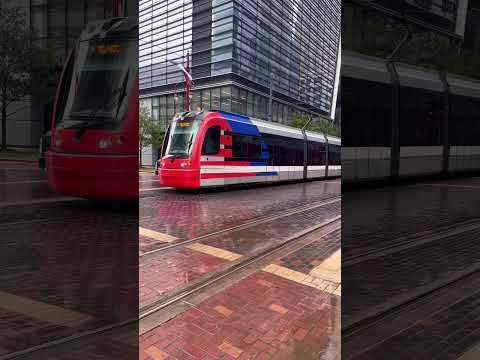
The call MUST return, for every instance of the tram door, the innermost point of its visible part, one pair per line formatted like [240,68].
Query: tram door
[213,157]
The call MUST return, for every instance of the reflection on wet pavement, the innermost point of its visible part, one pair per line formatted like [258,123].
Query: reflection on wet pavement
[173,269]
[66,267]
[188,215]
[403,245]
[378,216]
[22,181]
[118,344]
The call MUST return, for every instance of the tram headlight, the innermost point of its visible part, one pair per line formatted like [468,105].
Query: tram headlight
[112,140]
[185,163]
[104,143]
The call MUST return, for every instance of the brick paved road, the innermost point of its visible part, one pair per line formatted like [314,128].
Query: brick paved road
[187,215]
[163,272]
[119,344]
[275,313]
[377,216]
[442,325]
[441,222]
[67,265]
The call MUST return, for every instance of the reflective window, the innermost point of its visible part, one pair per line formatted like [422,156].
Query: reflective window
[291,43]
[211,144]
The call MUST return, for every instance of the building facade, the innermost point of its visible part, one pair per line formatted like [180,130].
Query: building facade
[267,59]
[56,23]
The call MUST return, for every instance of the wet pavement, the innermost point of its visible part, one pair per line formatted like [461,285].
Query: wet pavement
[168,265]
[190,214]
[282,311]
[277,312]
[23,181]
[68,265]
[411,254]
[180,266]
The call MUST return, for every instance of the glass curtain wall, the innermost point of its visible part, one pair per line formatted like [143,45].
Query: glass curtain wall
[225,98]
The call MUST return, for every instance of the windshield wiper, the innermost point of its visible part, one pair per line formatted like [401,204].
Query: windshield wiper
[94,121]
[123,93]
[189,144]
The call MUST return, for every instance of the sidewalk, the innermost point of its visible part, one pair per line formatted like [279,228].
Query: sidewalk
[20,156]
[287,310]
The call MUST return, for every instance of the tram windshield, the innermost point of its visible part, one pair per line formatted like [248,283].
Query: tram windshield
[101,82]
[182,135]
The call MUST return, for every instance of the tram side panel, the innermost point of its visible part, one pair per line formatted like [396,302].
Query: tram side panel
[316,158]
[283,150]
[334,159]
[366,130]
[464,132]
[421,115]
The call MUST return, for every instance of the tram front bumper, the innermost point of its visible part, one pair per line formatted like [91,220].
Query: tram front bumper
[180,178]
[102,177]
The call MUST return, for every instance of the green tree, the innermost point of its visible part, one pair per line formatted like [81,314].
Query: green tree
[319,126]
[26,68]
[151,131]
[423,48]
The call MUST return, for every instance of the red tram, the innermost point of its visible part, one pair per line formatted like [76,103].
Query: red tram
[207,149]
[94,138]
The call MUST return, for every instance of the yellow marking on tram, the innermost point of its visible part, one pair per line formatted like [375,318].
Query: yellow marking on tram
[304,279]
[330,268]
[42,311]
[211,250]
[156,235]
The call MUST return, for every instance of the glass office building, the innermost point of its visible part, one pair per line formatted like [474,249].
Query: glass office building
[57,23]
[240,52]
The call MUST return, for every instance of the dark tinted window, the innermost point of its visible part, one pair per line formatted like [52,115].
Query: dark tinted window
[246,147]
[420,117]
[283,150]
[366,113]
[316,153]
[464,121]
[211,144]
[334,157]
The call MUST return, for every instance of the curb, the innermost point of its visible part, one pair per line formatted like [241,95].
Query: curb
[19,160]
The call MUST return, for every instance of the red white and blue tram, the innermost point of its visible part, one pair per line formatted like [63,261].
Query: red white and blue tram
[217,148]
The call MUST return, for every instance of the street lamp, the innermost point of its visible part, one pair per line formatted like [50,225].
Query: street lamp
[188,81]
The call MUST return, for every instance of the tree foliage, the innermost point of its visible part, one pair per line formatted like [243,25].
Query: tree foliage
[423,48]
[26,67]
[151,131]
[319,126]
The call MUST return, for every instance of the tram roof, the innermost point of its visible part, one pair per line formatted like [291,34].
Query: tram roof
[364,67]
[285,129]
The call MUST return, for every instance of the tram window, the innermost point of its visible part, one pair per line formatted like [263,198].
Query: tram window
[64,88]
[316,153]
[334,155]
[245,146]
[284,150]
[211,144]
[165,142]
[420,117]
[366,113]
[464,124]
